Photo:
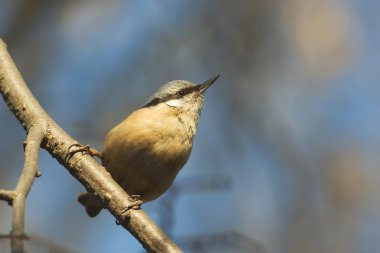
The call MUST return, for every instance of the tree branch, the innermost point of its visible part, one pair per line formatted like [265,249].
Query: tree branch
[7,196]
[32,148]
[84,168]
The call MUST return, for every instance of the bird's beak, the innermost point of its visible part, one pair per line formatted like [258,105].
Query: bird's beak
[204,86]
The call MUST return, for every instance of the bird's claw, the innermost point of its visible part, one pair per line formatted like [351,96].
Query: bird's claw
[85,150]
[134,198]
[136,205]
[136,202]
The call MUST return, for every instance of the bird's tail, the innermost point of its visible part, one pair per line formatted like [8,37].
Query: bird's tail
[92,204]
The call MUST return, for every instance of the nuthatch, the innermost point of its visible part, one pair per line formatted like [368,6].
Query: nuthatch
[145,152]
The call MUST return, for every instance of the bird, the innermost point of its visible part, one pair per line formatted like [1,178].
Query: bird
[145,152]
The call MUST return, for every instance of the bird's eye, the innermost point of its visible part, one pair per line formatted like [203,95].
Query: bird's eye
[181,92]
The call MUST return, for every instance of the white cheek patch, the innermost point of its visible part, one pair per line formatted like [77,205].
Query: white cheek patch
[174,102]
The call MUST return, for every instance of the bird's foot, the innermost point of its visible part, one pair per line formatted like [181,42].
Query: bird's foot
[135,198]
[136,202]
[85,150]
[136,205]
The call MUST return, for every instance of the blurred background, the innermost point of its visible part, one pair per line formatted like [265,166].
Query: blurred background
[286,155]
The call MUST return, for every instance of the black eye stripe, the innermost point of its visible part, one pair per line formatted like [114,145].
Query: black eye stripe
[187,90]
[178,94]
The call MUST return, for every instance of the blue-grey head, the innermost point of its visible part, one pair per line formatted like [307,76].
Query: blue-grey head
[180,94]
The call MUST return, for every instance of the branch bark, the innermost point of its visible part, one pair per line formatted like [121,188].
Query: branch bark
[7,196]
[32,148]
[83,167]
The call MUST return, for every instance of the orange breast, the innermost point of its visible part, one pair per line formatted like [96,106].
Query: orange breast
[145,152]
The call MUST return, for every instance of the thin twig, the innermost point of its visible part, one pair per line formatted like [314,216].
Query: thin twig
[32,147]
[7,196]
[17,197]
[84,168]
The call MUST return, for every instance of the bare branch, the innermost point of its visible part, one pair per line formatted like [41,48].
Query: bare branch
[84,168]
[32,148]
[7,195]
[17,198]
